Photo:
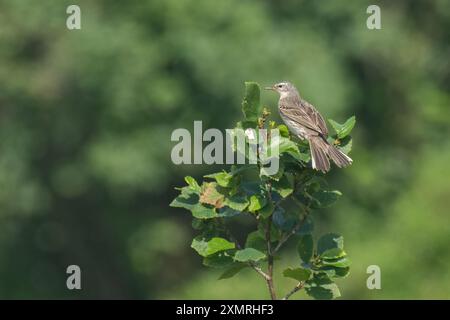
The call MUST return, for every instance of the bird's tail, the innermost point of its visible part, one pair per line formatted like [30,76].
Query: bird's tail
[321,150]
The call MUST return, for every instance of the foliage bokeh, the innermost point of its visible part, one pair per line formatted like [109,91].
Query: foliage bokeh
[86,118]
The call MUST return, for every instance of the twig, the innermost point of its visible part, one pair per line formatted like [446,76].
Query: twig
[298,287]
[270,284]
[252,264]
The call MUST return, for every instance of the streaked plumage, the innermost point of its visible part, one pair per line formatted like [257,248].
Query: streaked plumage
[305,121]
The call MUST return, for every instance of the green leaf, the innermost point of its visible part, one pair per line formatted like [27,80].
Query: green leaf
[187,199]
[305,248]
[325,198]
[298,274]
[218,260]
[285,186]
[283,220]
[334,253]
[237,202]
[343,130]
[322,288]
[251,106]
[200,211]
[307,226]
[255,240]
[330,241]
[192,183]
[227,212]
[334,272]
[232,271]
[256,203]
[267,210]
[345,145]
[208,247]
[249,254]
[284,131]
[223,179]
[339,263]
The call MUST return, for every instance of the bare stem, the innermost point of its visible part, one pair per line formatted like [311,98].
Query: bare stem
[298,287]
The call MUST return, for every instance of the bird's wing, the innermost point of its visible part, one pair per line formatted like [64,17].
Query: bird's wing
[304,114]
[315,117]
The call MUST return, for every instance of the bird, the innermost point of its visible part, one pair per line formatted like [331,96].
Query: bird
[304,121]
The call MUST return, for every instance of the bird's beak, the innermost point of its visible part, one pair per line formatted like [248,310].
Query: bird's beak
[270,88]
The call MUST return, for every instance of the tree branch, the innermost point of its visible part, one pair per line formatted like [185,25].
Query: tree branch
[298,287]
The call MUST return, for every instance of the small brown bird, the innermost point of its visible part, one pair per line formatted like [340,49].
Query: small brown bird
[306,122]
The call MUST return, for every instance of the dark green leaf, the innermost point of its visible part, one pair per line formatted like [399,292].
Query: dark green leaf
[251,106]
[330,241]
[237,202]
[187,199]
[285,186]
[325,198]
[334,272]
[307,226]
[206,247]
[267,210]
[255,240]
[322,288]
[298,274]
[249,254]
[305,247]
[232,270]
[227,212]
[218,260]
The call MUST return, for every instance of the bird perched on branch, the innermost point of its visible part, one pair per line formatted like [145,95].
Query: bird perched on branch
[305,121]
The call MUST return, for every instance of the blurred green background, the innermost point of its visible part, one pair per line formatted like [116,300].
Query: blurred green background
[86,118]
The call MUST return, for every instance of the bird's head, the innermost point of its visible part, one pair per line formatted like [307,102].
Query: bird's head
[285,89]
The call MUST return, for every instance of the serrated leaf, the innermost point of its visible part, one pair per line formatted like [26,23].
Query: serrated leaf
[218,260]
[223,179]
[206,247]
[285,186]
[192,183]
[339,263]
[322,288]
[249,254]
[267,210]
[232,271]
[325,198]
[187,199]
[200,211]
[255,240]
[227,212]
[343,130]
[256,203]
[283,220]
[251,106]
[330,241]
[298,274]
[334,253]
[334,272]
[305,248]
[237,202]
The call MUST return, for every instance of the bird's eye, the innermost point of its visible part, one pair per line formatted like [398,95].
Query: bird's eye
[280,86]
